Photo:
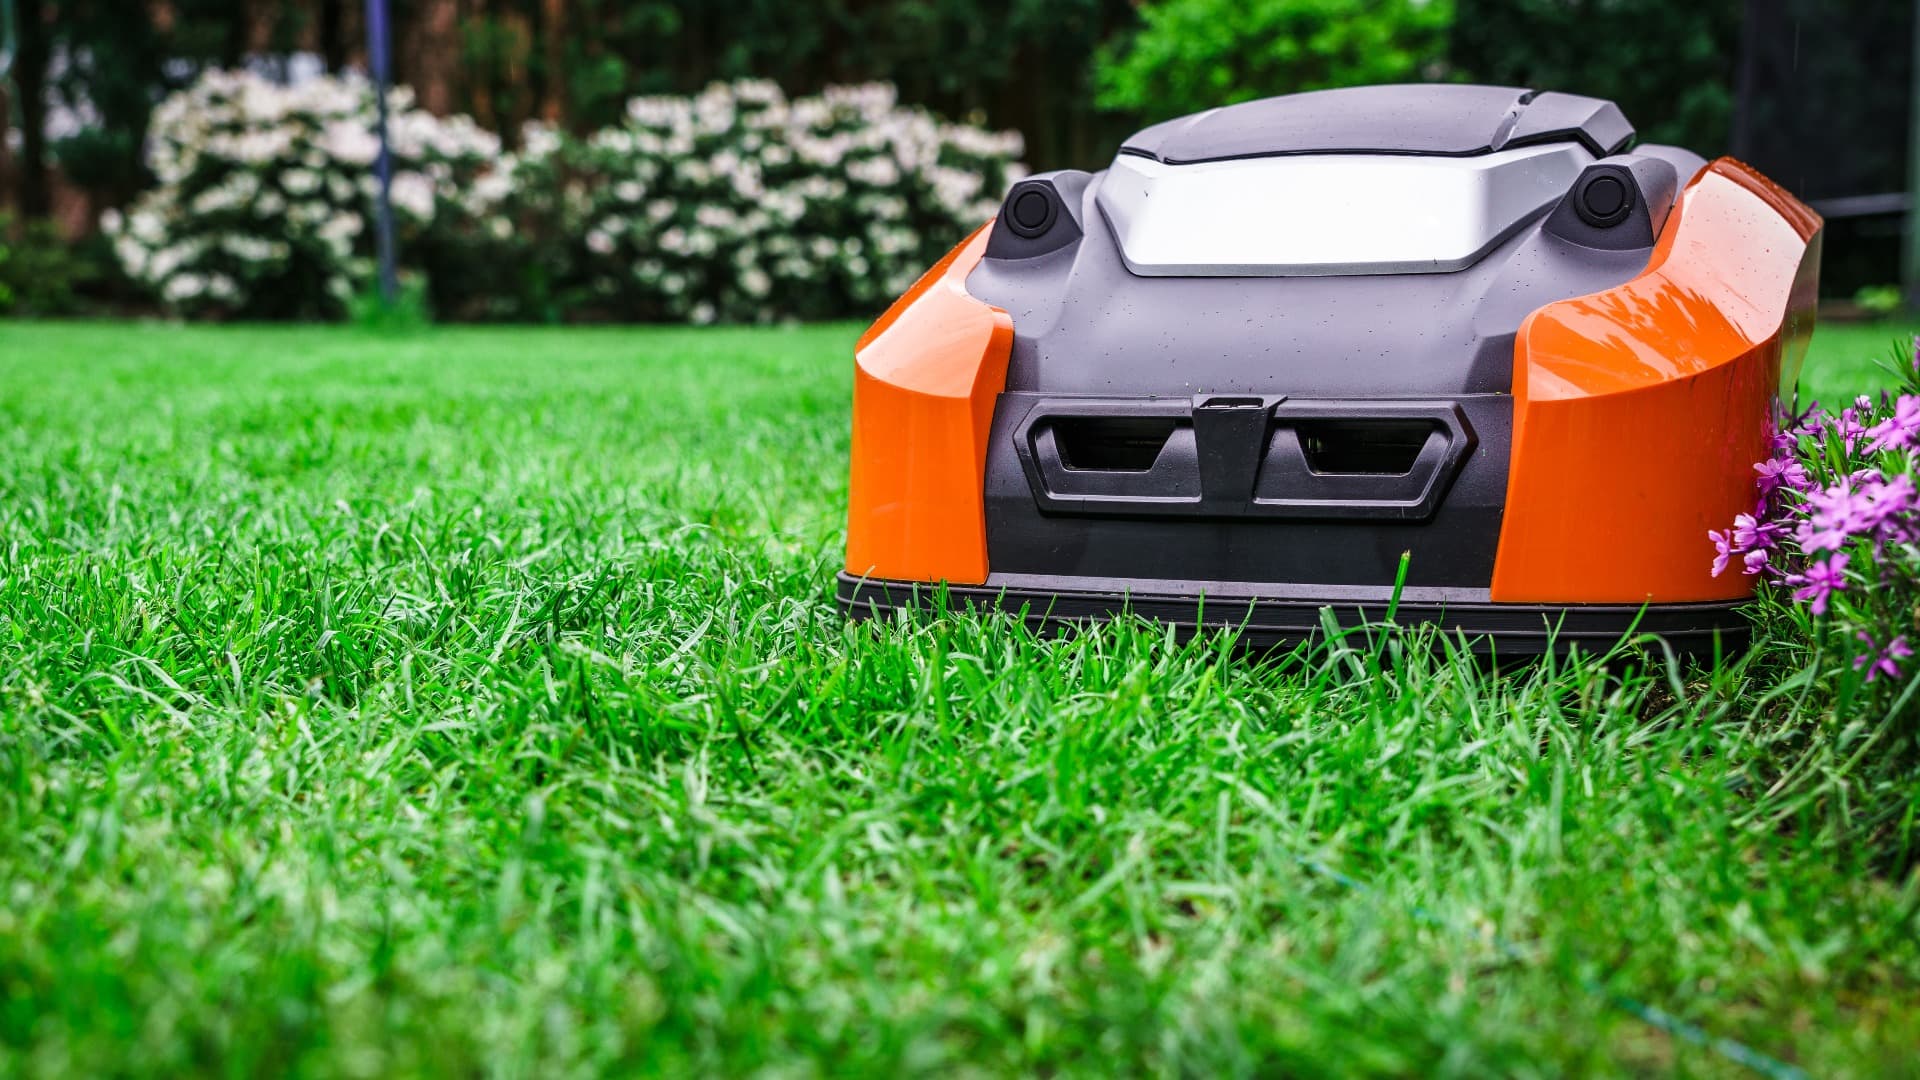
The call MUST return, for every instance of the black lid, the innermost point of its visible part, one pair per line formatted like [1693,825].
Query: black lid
[1447,119]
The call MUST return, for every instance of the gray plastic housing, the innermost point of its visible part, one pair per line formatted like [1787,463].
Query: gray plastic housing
[1300,430]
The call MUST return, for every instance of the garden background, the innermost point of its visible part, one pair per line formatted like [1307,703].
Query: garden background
[1816,94]
[455,686]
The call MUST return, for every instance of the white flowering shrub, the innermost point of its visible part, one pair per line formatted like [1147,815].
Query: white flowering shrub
[264,196]
[737,204]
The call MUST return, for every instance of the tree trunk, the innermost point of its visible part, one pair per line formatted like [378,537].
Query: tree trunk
[333,35]
[552,36]
[236,43]
[427,53]
[32,192]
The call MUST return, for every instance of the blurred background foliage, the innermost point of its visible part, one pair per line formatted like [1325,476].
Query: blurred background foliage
[1815,92]
[1670,66]
[1189,55]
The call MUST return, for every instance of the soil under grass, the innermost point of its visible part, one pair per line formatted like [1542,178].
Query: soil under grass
[472,700]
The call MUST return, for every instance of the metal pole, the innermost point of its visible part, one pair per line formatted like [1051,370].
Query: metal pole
[378,59]
[7,48]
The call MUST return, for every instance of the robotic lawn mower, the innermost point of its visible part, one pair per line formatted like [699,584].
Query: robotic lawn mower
[1232,378]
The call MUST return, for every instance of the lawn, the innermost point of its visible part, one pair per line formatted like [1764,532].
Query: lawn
[1846,359]
[471,700]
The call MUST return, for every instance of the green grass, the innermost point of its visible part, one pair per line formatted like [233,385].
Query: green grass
[1847,359]
[472,701]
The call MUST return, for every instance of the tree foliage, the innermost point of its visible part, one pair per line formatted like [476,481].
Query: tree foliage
[1669,66]
[1007,63]
[1196,54]
[118,59]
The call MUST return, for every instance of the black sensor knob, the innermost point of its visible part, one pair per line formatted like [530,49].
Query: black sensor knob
[1038,215]
[1032,209]
[1604,199]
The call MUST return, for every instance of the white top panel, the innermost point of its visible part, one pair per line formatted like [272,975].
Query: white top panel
[1324,214]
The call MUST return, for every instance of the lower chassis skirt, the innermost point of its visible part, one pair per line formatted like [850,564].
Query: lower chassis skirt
[1265,621]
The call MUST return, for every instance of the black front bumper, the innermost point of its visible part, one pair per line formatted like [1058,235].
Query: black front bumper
[1225,488]
[1268,616]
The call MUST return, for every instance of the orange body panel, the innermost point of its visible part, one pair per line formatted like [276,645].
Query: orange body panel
[1640,411]
[926,376]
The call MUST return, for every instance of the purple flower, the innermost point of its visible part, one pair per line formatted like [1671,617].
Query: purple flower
[1821,581]
[1897,508]
[1782,472]
[1892,504]
[1849,427]
[1722,550]
[1899,431]
[1834,516]
[1896,651]
[1865,504]
[1817,507]
[1750,534]
[1749,538]
[1878,661]
[1789,428]
[1813,423]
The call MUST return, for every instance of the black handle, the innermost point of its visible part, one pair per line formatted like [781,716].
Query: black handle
[1241,456]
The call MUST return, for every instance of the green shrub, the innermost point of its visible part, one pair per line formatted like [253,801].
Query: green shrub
[738,205]
[1669,66]
[1880,300]
[264,205]
[1190,55]
[407,311]
[43,273]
